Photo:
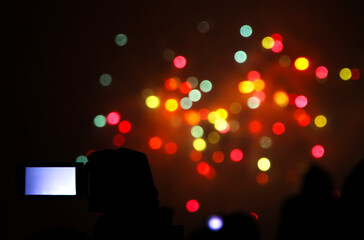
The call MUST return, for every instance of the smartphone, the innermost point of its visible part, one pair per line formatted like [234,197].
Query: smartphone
[51,180]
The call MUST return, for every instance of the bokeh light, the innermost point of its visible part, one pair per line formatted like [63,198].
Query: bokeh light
[281,98]
[259,85]
[179,62]
[100,121]
[199,144]
[268,42]
[185,87]
[317,151]
[171,148]
[155,143]
[235,108]
[118,140]
[205,86]
[218,157]
[321,72]
[345,74]
[284,61]
[304,120]
[277,46]
[253,102]
[185,103]
[194,95]
[236,155]
[215,223]
[255,126]
[278,128]
[262,178]
[301,63]
[171,105]
[320,121]
[263,164]
[246,31]
[152,101]
[172,83]
[193,81]
[213,137]
[355,74]
[192,117]
[253,75]
[192,205]
[82,159]
[246,86]
[197,131]
[221,125]
[301,101]
[121,39]
[113,118]
[223,114]
[204,113]
[203,27]
[195,155]
[105,79]
[240,56]
[265,142]
[203,168]
[124,126]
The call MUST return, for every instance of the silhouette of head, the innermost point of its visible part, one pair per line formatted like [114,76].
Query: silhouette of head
[120,180]
[317,183]
[354,185]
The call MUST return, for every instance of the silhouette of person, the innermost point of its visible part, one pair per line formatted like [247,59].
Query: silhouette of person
[313,214]
[352,204]
[121,186]
[58,233]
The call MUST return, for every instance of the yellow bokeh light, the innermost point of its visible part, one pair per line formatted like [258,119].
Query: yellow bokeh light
[320,121]
[221,125]
[199,144]
[281,99]
[246,86]
[301,63]
[223,114]
[171,105]
[345,74]
[263,164]
[268,42]
[259,85]
[212,117]
[152,101]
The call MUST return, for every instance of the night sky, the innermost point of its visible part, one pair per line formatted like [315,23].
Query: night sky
[60,50]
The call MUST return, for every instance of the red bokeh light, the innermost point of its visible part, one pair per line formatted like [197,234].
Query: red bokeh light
[155,143]
[253,75]
[303,120]
[185,87]
[236,155]
[124,126]
[171,148]
[255,126]
[195,155]
[277,47]
[278,128]
[317,151]
[171,84]
[118,140]
[277,37]
[203,168]
[179,62]
[321,72]
[355,74]
[192,205]
[113,118]
[292,98]
[204,113]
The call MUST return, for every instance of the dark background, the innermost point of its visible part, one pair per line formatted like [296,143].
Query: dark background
[59,50]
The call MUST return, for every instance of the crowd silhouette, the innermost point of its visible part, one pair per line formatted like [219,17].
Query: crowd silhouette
[122,188]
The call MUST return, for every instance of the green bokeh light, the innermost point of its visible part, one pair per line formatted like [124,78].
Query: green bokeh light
[197,131]
[205,86]
[240,56]
[81,159]
[105,79]
[121,39]
[246,31]
[100,121]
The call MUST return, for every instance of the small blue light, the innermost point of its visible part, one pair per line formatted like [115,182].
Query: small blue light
[215,223]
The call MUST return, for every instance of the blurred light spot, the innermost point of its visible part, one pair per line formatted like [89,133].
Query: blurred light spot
[254,215]
[223,114]
[171,105]
[301,101]
[168,55]
[277,37]
[246,86]
[298,113]
[281,99]
[100,121]
[199,144]
[89,152]
[118,140]
[147,92]
[203,27]
[185,103]
[221,125]
[185,87]
[215,223]
[176,121]
[236,155]
[218,157]
[277,47]
[259,85]
[155,143]
[262,178]
[240,56]
[172,83]
[192,205]
[203,168]
[204,113]
[213,137]
[205,86]
[345,74]
[278,128]
[355,74]
[195,155]
[105,79]
[268,42]
[263,164]
[292,98]
[234,125]
[317,151]
[246,31]
[197,131]
[321,72]
[253,102]
[113,118]
[235,108]
[255,126]
[301,63]
[320,121]
[124,126]
[121,39]
[192,117]
[193,81]
[253,75]
[265,142]
[304,120]
[260,95]
[152,101]
[284,61]
[212,117]
[170,148]
[82,159]
[211,174]
[179,62]
[194,95]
